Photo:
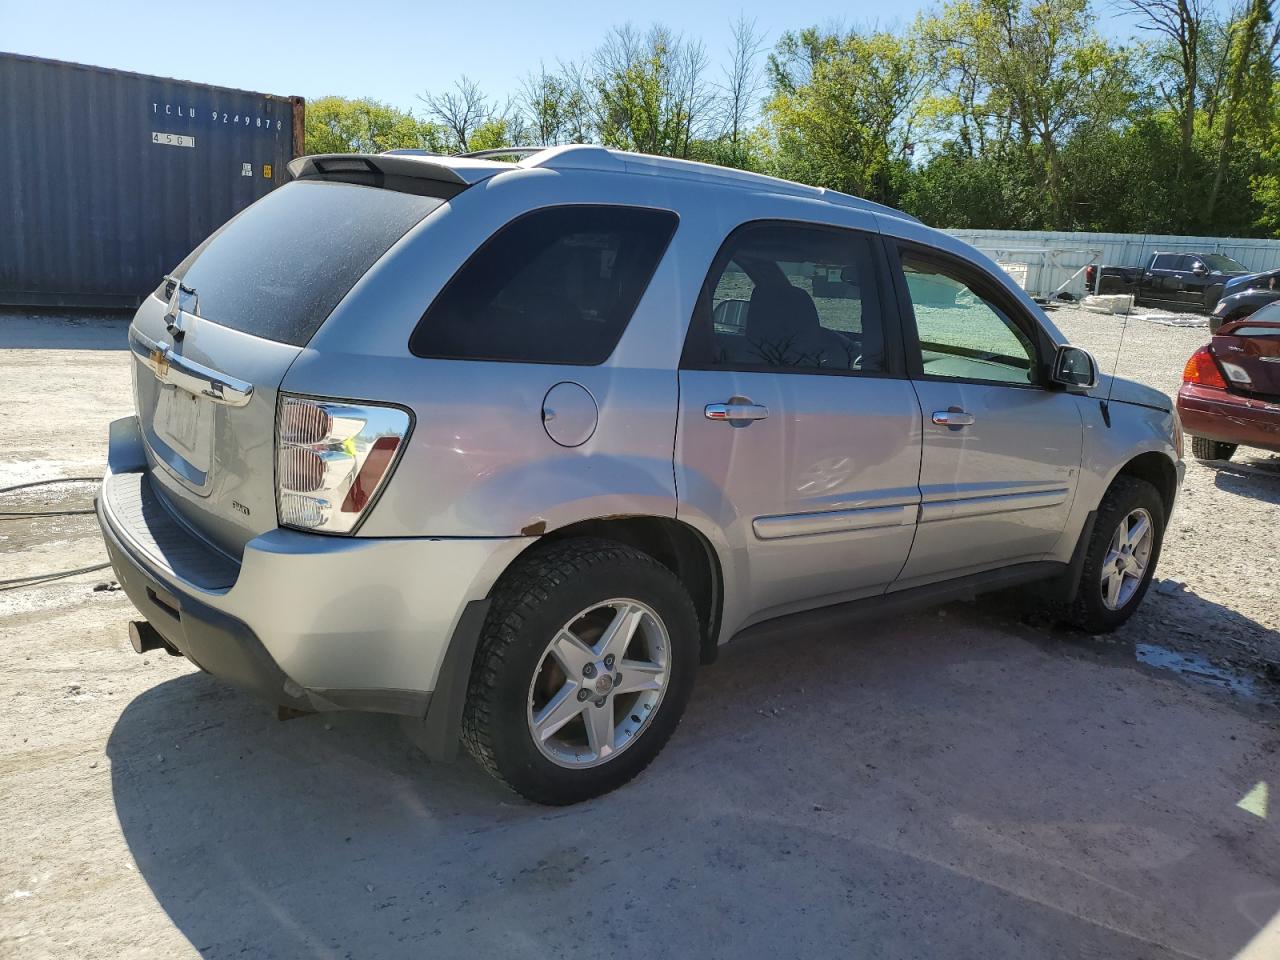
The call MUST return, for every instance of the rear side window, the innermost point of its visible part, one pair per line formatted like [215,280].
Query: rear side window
[557,285]
[1165,261]
[792,298]
[279,268]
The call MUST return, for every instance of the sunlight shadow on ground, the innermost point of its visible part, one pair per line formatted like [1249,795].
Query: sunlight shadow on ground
[883,795]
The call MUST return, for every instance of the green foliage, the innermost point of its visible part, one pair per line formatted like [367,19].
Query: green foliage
[842,108]
[649,92]
[1023,78]
[983,113]
[339,125]
[963,191]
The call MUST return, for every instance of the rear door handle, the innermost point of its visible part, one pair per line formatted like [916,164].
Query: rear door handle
[953,418]
[739,411]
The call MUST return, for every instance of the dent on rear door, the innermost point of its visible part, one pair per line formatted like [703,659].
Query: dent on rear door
[816,502]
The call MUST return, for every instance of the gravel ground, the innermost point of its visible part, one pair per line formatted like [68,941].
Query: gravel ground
[966,782]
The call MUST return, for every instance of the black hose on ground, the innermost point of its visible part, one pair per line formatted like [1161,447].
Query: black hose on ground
[34,579]
[17,583]
[21,514]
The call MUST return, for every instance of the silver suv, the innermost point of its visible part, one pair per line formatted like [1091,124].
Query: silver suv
[509,448]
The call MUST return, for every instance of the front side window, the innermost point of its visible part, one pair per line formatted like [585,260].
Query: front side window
[555,286]
[1220,264]
[792,298]
[962,334]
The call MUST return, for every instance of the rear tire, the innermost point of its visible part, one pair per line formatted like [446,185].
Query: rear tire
[581,588]
[1115,579]
[1202,448]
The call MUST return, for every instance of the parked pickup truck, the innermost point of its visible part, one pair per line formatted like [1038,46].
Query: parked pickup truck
[1188,281]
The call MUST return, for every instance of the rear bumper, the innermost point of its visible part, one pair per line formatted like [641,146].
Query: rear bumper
[303,620]
[1228,417]
[215,642]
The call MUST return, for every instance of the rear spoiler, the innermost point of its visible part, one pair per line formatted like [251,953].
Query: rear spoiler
[407,172]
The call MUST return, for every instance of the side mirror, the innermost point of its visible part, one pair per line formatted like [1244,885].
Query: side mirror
[1199,269]
[1074,369]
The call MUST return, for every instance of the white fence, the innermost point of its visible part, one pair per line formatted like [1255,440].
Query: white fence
[1050,260]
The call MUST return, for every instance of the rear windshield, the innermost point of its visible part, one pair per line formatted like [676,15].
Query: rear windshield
[279,268]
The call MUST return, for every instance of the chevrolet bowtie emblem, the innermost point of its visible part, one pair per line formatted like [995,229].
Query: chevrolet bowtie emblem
[160,362]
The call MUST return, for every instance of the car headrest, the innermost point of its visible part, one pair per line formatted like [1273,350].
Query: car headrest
[780,311]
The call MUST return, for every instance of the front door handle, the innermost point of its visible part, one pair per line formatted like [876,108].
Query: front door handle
[738,412]
[952,418]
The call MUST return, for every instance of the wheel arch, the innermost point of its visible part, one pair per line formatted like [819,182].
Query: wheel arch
[1157,469]
[677,546]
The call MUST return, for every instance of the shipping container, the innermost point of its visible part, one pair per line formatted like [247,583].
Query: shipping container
[108,179]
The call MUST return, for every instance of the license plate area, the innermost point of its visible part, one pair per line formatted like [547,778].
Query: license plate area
[182,434]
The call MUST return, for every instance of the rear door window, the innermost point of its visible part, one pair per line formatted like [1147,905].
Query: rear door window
[791,298]
[557,285]
[279,268]
[1165,261]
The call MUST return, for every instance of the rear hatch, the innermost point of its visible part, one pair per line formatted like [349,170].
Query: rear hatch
[1249,353]
[211,347]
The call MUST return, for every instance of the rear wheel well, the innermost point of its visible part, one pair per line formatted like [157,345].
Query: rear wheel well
[679,548]
[1158,470]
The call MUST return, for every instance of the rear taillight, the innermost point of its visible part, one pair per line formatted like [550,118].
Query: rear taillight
[1203,370]
[331,460]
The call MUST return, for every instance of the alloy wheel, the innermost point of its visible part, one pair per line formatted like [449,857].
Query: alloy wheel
[1127,559]
[599,683]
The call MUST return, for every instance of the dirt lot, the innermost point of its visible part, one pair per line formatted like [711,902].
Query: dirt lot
[963,783]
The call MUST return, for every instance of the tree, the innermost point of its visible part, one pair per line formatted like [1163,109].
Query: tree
[961,190]
[1249,83]
[650,94]
[740,90]
[338,125]
[464,112]
[1037,71]
[842,109]
[1178,23]
[544,102]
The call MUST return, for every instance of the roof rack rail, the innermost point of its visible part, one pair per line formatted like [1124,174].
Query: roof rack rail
[501,152]
[583,156]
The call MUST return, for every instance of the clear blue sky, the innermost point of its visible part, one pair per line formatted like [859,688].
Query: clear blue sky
[390,50]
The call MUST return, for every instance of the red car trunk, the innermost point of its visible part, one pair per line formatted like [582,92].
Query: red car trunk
[1231,388]
[1253,346]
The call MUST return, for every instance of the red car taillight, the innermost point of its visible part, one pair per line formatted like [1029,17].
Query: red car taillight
[1203,371]
[331,459]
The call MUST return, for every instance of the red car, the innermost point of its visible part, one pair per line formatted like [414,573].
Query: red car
[1230,393]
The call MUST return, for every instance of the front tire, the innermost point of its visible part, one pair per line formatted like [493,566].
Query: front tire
[1202,448]
[582,672]
[1123,550]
